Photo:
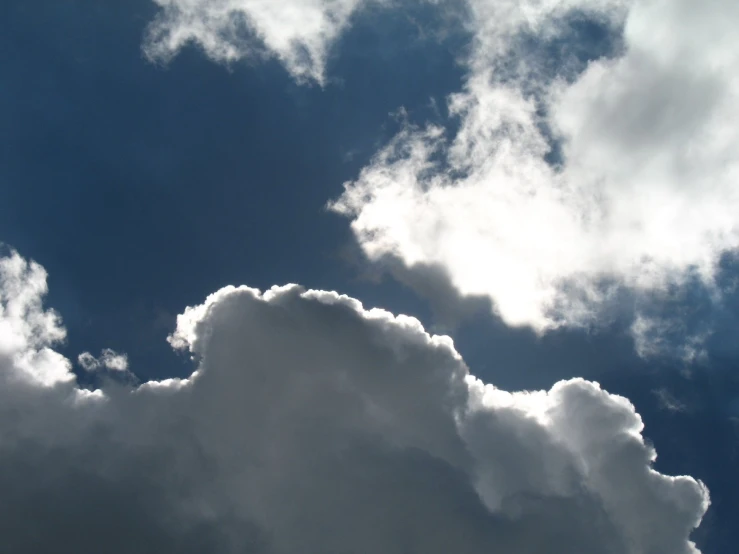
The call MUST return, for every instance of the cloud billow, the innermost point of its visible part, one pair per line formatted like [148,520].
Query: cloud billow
[642,191]
[574,169]
[313,424]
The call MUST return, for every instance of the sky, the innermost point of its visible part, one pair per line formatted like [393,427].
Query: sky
[369,276]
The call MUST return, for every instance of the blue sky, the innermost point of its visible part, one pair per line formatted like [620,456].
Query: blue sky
[144,185]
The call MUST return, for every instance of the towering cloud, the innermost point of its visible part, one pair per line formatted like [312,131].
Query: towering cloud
[314,425]
[566,182]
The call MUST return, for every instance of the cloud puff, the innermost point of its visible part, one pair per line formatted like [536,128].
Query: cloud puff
[298,32]
[314,425]
[109,359]
[562,186]
[26,330]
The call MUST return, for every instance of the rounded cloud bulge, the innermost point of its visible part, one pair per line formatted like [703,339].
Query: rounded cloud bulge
[312,424]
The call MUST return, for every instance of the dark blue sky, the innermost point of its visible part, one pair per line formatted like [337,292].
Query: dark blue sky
[141,189]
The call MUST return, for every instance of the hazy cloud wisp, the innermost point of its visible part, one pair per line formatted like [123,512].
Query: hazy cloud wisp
[298,32]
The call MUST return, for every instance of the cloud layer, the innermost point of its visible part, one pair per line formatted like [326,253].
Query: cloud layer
[312,424]
[566,182]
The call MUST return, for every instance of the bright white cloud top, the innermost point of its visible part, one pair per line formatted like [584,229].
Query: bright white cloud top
[645,195]
[314,425]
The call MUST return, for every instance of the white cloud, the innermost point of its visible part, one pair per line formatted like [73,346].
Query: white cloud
[669,402]
[298,32]
[114,360]
[314,425]
[645,196]
[27,330]
[109,359]
[88,362]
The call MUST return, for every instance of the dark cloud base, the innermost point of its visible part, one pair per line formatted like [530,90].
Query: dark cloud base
[314,425]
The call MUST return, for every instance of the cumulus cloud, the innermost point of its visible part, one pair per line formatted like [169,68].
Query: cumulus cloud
[565,183]
[26,330]
[298,32]
[314,425]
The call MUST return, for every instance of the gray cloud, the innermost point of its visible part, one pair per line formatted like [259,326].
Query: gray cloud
[312,424]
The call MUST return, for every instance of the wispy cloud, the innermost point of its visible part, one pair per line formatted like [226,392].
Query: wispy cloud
[565,183]
[299,33]
[108,359]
